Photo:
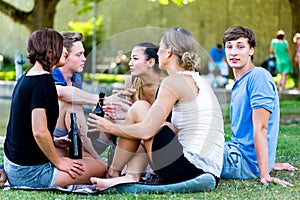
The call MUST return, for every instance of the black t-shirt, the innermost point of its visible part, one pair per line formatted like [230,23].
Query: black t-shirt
[30,92]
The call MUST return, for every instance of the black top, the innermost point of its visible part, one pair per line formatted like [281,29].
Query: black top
[30,92]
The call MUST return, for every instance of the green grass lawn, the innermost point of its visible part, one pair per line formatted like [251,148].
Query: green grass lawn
[288,150]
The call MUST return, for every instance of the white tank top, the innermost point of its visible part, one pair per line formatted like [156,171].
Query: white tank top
[201,127]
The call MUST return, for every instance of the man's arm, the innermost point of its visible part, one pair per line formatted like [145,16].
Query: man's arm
[260,122]
[74,95]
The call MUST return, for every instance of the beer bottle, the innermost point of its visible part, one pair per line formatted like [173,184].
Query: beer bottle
[98,110]
[75,149]
[99,107]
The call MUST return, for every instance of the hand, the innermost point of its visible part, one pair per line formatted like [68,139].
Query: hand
[116,112]
[115,99]
[129,92]
[97,123]
[268,179]
[172,127]
[284,166]
[62,142]
[72,167]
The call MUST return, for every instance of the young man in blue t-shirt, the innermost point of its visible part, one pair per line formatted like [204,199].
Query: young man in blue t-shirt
[254,114]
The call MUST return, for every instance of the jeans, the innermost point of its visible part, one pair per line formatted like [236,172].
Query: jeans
[235,166]
[35,176]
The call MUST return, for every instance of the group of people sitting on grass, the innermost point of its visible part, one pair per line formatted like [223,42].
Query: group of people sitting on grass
[172,123]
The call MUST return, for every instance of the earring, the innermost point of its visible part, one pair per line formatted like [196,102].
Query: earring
[167,56]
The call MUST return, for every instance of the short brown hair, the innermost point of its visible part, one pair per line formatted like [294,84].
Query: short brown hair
[70,38]
[236,32]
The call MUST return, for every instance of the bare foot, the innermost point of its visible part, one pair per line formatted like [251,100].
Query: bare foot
[111,173]
[284,166]
[2,177]
[104,183]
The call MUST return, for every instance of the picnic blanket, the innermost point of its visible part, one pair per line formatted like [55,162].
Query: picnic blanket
[201,183]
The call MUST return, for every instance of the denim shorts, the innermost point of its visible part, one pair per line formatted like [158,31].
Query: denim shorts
[234,164]
[36,176]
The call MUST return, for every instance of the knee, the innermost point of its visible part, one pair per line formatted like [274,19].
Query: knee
[140,106]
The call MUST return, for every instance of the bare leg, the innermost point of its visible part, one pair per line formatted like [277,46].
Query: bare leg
[283,81]
[124,152]
[136,167]
[93,167]
[299,81]
[126,148]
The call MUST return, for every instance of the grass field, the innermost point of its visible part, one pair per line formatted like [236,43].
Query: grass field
[288,150]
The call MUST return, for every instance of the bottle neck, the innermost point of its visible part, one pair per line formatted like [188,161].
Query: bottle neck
[73,123]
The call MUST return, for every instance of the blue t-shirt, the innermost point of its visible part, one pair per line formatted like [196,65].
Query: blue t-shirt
[255,89]
[216,55]
[60,79]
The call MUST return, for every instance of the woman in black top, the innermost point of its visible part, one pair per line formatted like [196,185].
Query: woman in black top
[30,155]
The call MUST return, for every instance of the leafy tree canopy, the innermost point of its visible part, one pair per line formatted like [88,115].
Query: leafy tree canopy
[177,2]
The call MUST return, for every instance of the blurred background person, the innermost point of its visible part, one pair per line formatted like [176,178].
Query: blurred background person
[296,39]
[217,65]
[279,46]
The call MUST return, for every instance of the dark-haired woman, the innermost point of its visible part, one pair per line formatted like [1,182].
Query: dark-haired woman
[30,157]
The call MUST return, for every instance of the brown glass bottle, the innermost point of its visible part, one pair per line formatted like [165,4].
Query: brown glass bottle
[99,107]
[75,149]
[98,110]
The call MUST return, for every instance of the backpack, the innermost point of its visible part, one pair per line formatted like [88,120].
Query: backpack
[270,65]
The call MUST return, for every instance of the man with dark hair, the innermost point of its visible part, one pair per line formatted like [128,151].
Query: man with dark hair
[254,114]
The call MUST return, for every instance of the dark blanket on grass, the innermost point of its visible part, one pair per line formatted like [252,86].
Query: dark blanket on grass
[204,182]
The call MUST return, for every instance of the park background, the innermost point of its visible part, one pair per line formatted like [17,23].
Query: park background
[207,19]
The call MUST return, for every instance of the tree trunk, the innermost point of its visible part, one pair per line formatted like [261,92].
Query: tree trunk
[295,9]
[41,16]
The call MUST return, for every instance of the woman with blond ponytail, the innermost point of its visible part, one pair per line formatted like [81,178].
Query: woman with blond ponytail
[192,144]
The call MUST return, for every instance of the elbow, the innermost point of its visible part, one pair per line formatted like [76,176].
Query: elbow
[38,134]
[146,137]
[62,94]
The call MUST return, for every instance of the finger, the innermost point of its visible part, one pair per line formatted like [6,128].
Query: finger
[92,130]
[264,182]
[92,121]
[283,183]
[72,174]
[128,102]
[91,125]
[93,116]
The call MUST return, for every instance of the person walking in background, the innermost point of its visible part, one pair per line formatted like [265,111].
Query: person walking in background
[296,39]
[30,156]
[217,63]
[254,113]
[193,144]
[279,46]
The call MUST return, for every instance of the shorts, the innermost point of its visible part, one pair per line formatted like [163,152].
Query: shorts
[35,176]
[235,165]
[168,161]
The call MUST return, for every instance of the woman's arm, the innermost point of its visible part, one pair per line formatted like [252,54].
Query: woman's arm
[166,98]
[43,138]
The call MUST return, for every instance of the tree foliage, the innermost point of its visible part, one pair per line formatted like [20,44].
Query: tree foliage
[177,2]
[86,28]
